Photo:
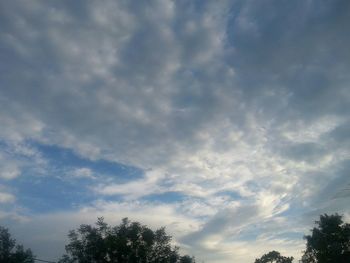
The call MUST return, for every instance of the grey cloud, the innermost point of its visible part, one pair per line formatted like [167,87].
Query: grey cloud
[295,50]
[341,134]
[311,152]
[224,220]
[338,186]
[75,73]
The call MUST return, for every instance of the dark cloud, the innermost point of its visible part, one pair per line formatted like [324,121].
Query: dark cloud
[293,49]
[341,134]
[224,219]
[304,152]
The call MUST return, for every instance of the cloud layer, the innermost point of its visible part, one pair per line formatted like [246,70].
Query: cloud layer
[227,120]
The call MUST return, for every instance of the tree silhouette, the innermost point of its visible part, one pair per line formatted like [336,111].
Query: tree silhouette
[128,242]
[329,241]
[10,252]
[274,257]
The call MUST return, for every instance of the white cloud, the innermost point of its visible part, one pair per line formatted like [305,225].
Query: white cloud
[82,173]
[18,157]
[134,189]
[9,172]
[6,198]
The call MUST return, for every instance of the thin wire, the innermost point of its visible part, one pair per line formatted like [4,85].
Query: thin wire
[44,260]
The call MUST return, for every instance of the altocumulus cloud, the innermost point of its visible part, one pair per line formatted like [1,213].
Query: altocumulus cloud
[226,121]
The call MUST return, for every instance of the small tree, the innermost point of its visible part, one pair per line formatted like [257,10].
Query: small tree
[128,242]
[12,253]
[274,257]
[329,241]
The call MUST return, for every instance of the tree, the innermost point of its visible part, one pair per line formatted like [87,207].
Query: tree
[274,256]
[12,253]
[128,242]
[329,241]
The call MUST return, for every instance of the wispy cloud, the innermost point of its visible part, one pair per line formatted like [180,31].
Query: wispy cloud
[6,198]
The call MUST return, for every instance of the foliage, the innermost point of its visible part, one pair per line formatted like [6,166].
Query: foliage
[128,242]
[12,253]
[131,242]
[329,241]
[274,256]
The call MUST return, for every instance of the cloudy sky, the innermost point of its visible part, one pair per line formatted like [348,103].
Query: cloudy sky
[228,122]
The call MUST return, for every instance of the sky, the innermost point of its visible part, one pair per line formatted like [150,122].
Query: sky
[227,122]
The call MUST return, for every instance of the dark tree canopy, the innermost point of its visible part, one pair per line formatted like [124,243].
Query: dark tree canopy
[274,257]
[329,241]
[10,252]
[128,242]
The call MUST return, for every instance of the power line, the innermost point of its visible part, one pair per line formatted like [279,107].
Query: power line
[41,260]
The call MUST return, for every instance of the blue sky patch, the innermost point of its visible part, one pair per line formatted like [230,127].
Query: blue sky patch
[167,197]
[62,157]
